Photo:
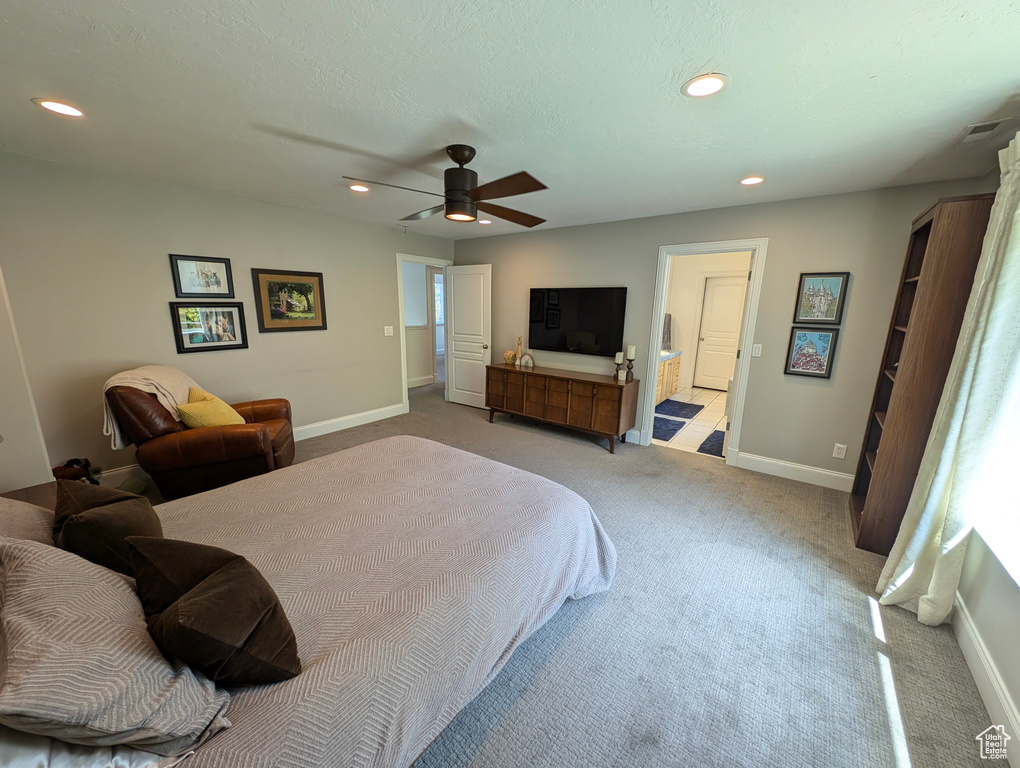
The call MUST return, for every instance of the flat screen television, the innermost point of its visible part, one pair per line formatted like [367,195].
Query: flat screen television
[587,321]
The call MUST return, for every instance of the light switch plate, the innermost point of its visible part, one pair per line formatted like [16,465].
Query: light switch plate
[387,330]
[756,350]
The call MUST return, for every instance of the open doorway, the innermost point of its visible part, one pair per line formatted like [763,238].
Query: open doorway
[434,277]
[705,303]
[420,292]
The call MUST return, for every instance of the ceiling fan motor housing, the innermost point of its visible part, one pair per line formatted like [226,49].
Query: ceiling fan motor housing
[460,181]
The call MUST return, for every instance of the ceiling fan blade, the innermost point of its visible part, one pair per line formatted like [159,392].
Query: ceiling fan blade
[424,214]
[517,184]
[394,186]
[421,163]
[517,217]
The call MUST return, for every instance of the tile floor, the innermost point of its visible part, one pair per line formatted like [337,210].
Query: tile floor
[709,419]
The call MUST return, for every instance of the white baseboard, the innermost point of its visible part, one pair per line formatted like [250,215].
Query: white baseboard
[346,422]
[802,472]
[1000,705]
[114,477]
[420,381]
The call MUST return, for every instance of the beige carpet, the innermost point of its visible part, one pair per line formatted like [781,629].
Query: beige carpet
[738,631]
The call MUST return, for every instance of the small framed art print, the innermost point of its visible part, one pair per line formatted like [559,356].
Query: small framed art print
[289,301]
[208,327]
[810,352]
[200,277]
[820,297]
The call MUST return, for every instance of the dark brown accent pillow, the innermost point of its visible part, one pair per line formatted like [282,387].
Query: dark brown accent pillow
[92,522]
[213,609]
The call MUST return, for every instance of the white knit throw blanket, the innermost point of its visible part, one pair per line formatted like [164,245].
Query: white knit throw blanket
[170,386]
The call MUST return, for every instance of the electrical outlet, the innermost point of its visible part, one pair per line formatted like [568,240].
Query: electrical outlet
[387,330]
[839,451]
[756,350]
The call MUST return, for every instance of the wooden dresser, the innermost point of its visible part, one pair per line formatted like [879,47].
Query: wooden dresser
[586,401]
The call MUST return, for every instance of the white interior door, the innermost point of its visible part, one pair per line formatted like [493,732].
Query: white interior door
[721,313]
[469,332]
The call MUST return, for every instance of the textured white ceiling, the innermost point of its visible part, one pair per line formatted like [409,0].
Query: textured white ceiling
[824,97]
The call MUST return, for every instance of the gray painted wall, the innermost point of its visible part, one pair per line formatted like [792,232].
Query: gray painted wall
[788,418]
[85,256]
[23,459]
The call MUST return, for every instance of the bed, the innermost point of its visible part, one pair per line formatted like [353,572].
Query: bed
[410,571]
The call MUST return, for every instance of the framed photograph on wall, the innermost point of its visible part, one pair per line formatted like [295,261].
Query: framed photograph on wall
[199,277]
[289,301]
[810,352]
[820,297]
[208,327]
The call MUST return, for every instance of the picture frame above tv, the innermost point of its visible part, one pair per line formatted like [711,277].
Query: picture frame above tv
[585,321]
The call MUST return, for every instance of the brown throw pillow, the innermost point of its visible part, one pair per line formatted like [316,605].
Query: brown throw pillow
[214,610]
[93,522]
[78,664]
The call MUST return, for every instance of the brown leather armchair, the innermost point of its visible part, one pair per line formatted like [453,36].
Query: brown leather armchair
[184,461]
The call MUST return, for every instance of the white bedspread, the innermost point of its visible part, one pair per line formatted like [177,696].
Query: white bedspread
[410,572]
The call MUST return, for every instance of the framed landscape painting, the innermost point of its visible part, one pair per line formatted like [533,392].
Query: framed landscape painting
[820,297]
[208,327]
[199,277]
[810,352]
[289,301]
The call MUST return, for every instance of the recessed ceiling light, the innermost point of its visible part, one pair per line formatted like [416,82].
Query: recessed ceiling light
[484,221]
[750,181]
[359,188]
[704,85]
[58,107]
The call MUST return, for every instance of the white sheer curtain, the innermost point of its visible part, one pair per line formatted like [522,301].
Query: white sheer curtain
[970,464]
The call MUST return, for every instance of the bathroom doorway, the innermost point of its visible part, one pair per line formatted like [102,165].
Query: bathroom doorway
[705,303]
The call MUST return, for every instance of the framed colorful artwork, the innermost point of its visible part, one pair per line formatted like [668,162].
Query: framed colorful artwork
[289,301]
[810,352]
[208,327]
[820,297]
[200,277]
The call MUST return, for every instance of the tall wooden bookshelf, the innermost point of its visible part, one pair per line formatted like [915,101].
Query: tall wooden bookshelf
[938,273]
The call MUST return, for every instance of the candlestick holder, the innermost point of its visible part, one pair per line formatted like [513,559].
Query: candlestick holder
[630,364]
[619,367]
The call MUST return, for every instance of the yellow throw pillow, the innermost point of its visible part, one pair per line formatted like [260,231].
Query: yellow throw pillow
[205,410]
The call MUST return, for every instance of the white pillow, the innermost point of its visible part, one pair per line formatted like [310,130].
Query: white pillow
[21,520]
[78,663]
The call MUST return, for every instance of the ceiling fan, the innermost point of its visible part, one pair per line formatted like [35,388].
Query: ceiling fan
[463,198]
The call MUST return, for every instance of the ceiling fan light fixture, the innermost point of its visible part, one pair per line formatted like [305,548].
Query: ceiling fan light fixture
[704,85]
[59,107]
[358,188]
[457,210]
[750,181]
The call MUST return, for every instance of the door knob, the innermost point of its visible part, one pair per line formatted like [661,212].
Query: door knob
[485,346]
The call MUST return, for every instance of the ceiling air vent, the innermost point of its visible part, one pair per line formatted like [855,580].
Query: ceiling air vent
[981,131]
